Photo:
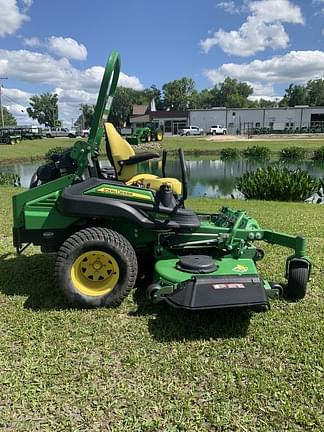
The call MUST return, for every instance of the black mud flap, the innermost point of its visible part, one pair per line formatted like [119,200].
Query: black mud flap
[203,293]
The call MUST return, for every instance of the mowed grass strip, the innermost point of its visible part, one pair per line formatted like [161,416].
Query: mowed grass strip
[152,368]
[36,149]
[214,146]
[29,150]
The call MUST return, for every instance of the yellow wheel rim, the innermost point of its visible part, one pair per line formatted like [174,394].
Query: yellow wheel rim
[159,136]
[95,273]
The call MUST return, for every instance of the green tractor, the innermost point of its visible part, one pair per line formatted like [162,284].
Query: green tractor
[9,136]
[105,223]
[150,132]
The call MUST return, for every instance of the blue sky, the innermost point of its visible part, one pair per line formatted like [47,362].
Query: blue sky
[62,46]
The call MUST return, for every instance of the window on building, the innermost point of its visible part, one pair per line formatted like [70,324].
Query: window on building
[230,125]
[168,126]
[271,124]
[257,124]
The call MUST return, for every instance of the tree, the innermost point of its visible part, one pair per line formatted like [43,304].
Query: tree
[231,94]
[179,95]
[153,93]
[234,94]
[122,105]
[44,109]
[8,118]
[315,91]
[85,118]
[294,95]
[265,103]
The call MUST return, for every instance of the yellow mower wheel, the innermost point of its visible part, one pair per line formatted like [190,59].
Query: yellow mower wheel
[96,267]
[95,273]
[159,135]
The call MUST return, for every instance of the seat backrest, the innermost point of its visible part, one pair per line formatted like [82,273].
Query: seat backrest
[118,149]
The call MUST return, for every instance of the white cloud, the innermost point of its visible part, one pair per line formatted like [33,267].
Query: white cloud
[11,18]
[262,90]
[295,66]
[319,4]
[277,10]
[262,29]
[32,41]
[228,6]
[26,4]
[74,86]
[67,47]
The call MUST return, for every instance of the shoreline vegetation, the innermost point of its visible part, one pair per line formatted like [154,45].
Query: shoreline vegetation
[29,151]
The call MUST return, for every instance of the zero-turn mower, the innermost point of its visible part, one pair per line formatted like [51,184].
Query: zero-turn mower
[102,223]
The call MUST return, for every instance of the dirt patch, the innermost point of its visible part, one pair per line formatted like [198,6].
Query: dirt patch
[226,138]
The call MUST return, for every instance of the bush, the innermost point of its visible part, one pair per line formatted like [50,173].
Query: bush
[292,153]
[319,154]
[9,179]
[54,151]
[278,184]
[257,152]
[229,153]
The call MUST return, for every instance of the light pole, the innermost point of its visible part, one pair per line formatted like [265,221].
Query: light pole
[1,107]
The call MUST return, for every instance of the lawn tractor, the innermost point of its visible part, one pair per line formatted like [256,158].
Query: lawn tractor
[104,224]
[145,134]
[9,136]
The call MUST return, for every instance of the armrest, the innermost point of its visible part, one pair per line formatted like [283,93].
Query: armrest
[139,157]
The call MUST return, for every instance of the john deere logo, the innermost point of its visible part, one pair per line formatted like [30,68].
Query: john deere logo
[240,268]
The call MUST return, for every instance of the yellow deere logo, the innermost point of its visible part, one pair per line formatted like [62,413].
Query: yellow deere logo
[123,193]
[240,268]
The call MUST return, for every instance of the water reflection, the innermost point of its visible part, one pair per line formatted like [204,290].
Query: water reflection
[212,178]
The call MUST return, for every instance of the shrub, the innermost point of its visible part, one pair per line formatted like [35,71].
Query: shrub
[229,153]
[9,179]
[319,154]
[292,153]
[257,152]
[54,151]
[278,184]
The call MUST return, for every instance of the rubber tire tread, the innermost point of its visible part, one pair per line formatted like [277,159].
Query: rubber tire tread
[297,280]
[107,240]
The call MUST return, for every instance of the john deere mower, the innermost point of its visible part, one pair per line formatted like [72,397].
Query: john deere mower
[103,223]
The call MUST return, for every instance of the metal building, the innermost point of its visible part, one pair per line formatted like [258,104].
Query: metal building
[247,120]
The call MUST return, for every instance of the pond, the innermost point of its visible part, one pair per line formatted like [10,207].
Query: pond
[211,178]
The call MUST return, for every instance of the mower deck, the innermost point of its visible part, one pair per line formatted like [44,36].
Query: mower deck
[198,282]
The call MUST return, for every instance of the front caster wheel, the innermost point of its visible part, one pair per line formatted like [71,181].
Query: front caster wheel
[298,275]
[96,267]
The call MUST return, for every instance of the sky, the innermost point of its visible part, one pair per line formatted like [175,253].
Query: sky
[62,46]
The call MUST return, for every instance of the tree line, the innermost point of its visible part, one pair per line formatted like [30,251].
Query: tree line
[179,95]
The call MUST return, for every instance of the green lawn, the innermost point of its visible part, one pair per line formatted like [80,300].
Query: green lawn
[197,145]
[29,150]
[152,368]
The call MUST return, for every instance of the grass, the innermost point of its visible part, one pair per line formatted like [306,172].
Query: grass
[199,145]
[31,150]
[152,368]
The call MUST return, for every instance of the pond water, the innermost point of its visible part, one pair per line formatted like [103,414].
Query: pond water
[212,178]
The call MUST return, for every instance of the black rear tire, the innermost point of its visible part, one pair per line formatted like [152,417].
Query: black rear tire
[298,276]
[78,286]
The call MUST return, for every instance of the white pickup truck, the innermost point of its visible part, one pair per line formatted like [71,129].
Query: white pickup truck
[59,132]
[192,130]
[217,130]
